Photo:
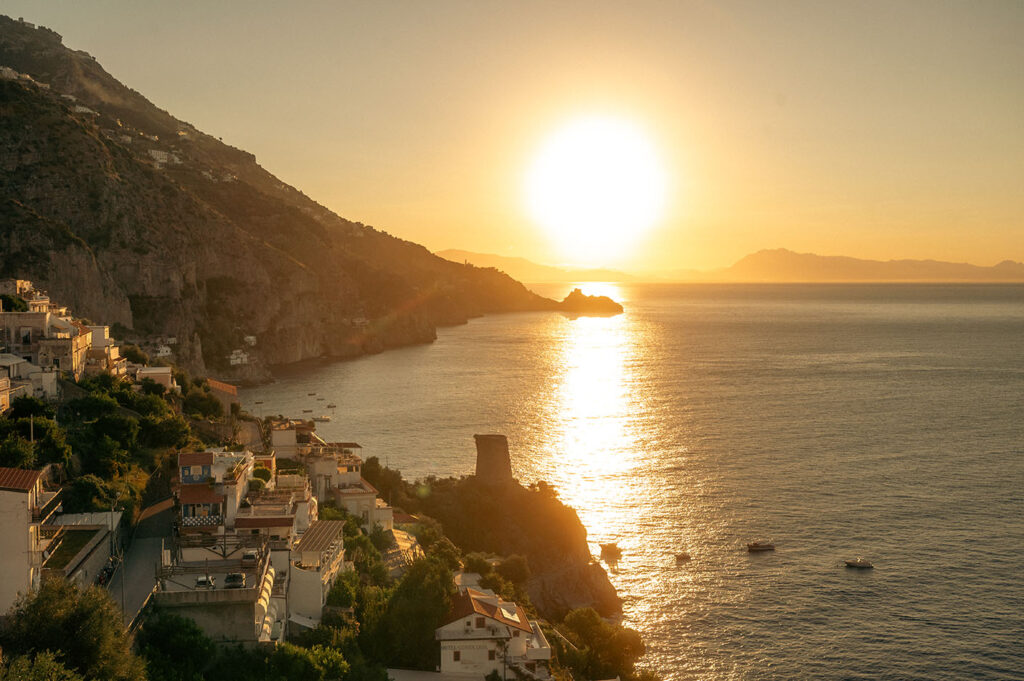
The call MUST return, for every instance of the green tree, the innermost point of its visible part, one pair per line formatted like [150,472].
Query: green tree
[157,432]
[447,552]
[43,667]
[478,563]
[201,403]
[123,430]
[9,303]
[50,445]
[603,649]
[514,569]
[313,664]
[26,405]
[262,473]
[91,407]
[151,387]
[88,493]
[175,648]
[82,626]
[417,607]
[134,354]
[16,452]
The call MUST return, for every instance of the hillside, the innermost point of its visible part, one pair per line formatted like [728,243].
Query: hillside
[526,270]
[131,216]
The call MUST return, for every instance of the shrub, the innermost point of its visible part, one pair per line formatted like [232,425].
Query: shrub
[82,626]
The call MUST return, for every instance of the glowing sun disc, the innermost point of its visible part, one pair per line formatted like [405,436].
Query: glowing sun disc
[596,185]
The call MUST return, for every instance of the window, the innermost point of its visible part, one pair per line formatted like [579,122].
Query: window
[457,656]
[490,654]
[479,622]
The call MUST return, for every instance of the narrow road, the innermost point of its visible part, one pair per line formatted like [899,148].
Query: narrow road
[134,579]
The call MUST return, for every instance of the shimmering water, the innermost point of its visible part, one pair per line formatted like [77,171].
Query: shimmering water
[838,421]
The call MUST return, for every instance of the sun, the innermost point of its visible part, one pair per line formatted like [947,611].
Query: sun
[596,185]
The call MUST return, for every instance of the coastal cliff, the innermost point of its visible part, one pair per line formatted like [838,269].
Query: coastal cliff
[137,219]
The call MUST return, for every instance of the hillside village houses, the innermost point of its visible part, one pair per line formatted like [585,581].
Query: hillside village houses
[250,561]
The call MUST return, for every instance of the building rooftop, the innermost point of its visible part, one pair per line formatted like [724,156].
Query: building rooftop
[473,602]
[199,494]
[18,479]
[320,535]
[195,458]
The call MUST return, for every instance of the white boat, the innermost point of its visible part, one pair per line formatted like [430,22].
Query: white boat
[322,418]
[859,563]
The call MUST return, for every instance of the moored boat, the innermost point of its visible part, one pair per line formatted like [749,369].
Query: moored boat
[859,563]
[322,418]
[758,546]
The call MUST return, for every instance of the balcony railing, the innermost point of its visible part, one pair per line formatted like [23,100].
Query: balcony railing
[202,521]
[41,513]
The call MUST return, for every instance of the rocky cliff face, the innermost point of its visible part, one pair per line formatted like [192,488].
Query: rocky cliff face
[132,217]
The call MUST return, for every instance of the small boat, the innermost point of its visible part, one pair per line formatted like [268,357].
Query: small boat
[611,552]
[310,394]
[859,563]
[758,546]
[682,557]
[307,411]
[332,406]
[319,399]
[322,418]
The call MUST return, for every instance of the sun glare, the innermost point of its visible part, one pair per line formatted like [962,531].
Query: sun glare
[596,185]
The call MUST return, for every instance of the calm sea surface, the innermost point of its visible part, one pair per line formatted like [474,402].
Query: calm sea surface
[838,421]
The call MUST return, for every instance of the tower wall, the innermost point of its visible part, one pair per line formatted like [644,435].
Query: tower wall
[493,464]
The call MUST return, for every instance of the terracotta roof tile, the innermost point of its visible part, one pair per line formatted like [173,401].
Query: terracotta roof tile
[199,494]
[195,459]
[18,479]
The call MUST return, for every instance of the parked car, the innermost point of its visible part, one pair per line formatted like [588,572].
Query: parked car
[235,580]
[250,558]
[206,582]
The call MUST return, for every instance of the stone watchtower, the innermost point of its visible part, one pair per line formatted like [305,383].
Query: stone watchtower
[493,465]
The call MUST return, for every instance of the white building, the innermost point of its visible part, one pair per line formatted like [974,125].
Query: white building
[317,560]
[25,504]
[484,634]
[336,473]
[213,484]
[161,375]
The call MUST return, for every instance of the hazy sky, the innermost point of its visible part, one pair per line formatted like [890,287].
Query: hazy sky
[872,129]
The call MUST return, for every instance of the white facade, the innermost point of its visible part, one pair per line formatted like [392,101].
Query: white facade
[485,634]
[24,506]
[317,560]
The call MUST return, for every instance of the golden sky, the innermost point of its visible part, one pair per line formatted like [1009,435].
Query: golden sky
[871,129]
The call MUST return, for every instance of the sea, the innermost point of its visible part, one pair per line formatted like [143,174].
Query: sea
[836,421]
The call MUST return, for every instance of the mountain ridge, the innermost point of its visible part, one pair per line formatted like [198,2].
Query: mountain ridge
[130,216]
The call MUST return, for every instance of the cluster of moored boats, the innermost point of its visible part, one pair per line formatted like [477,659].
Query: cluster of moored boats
[322,418]
[611,553]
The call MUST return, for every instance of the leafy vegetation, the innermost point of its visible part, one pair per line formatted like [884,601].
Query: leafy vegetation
[83,626]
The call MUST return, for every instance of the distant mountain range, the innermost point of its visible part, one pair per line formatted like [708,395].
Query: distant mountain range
[781,265]
[768,266]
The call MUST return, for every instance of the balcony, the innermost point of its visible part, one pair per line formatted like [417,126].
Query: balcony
[48,502]
[202,521]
